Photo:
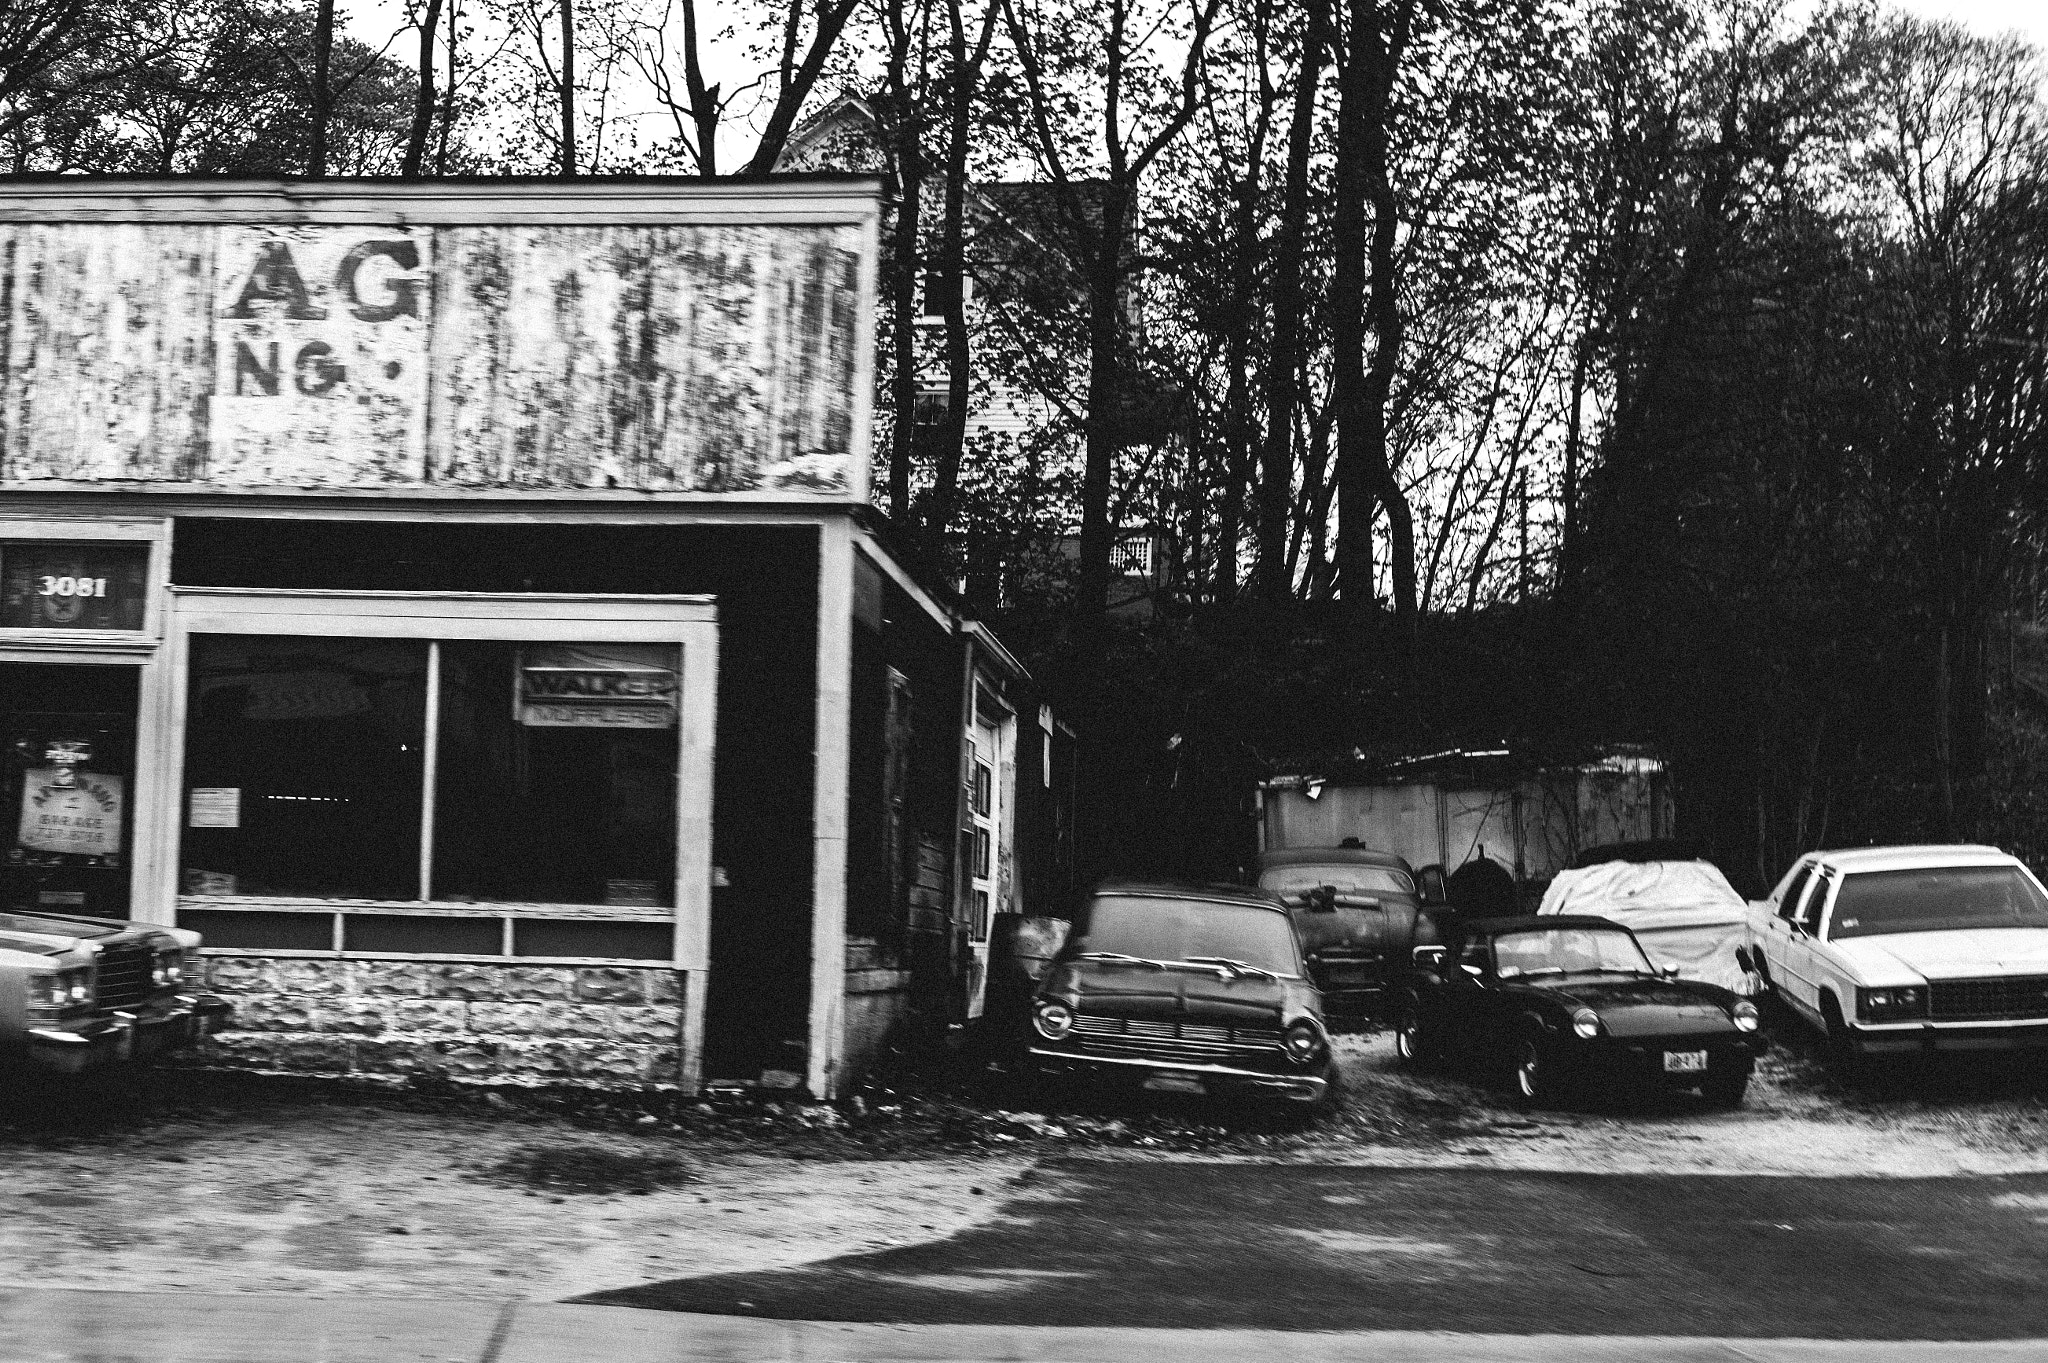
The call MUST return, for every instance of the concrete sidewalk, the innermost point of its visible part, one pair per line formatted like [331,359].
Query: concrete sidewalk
[62,1326]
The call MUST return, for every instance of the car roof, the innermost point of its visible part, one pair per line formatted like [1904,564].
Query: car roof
[1333,856]
[1918,857]
[1245,895]
[1530,922]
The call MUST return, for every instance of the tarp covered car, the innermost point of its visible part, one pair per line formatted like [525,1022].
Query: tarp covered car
[1685,913]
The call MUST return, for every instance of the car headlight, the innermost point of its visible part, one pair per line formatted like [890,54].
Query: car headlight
[1744,1016]
[1052,1019]
[1304,1041]
[1902,1004]
[1586,1023]
[168,968]
[65,989]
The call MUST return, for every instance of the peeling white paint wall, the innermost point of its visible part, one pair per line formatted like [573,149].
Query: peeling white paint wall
[659,359]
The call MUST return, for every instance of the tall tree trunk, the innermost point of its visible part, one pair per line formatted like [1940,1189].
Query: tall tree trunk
[1240,431]
[1106,401]
[949,268]
[1378,44]
[323,86]
[448,98]
[568,88]
[907,153]
[1355,484]
[1283,370]
[423,101]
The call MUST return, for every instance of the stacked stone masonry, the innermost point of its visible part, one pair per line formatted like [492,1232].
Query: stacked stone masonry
[495,1023]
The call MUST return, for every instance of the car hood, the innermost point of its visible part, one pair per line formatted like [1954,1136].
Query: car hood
[1643,1006]
[53,934]
[1963,953]
[1176,993]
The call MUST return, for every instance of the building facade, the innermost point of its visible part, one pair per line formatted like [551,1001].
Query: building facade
[460,603]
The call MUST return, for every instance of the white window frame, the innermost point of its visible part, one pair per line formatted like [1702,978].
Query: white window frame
[129,646]
[688,622]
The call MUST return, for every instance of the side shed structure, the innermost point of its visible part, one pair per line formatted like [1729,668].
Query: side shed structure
[1530,812]
[466,601]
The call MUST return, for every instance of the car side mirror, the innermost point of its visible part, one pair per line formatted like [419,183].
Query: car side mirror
[1668,971]
[1429,882]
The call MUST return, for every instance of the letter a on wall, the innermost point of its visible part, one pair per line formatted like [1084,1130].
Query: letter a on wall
[320,353]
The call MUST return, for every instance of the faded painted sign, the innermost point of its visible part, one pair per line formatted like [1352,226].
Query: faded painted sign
[78,813]
[665,359]
[319,353]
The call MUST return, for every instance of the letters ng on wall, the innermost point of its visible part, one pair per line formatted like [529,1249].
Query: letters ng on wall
[657,359]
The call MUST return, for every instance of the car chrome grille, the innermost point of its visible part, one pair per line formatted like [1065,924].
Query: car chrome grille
[1192,1042]
[2015,996]
[123,977]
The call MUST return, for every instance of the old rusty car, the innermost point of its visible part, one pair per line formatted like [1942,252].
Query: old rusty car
[1184,989]
[1571,1006]
[1360,912]
[76,993]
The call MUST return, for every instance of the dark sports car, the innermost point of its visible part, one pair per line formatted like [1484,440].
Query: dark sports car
[1571,1004]
[1184,989]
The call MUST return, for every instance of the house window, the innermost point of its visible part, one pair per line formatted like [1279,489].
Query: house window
[1132,556]
[934,294]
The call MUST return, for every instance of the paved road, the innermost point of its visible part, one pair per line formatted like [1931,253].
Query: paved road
[1098,1243]
[48,1326]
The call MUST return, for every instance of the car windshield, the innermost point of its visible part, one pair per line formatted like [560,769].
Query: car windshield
[1181,930]
[1365,880]
[1569,951]
[1936,899]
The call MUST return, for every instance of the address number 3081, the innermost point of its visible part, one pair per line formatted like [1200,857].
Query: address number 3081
[73,586]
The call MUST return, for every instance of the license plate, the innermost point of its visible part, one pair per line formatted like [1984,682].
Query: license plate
[1173,1083]
[1684,1062]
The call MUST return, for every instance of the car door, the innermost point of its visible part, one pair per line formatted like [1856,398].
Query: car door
[1467,998]
[1774,926]
[1800,979]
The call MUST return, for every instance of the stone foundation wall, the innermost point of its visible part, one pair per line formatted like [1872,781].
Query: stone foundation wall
[605,1025]
[877,1001]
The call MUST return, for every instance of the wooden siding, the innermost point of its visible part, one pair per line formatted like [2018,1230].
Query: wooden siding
[663,359]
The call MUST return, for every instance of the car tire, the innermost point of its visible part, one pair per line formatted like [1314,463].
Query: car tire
[1535,1086]
[1413,1046]
[1727,1090]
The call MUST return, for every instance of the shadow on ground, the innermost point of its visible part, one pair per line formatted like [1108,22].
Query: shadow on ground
[1091,1243]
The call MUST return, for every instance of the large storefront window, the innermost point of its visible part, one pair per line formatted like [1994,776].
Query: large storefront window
[557,774]
[304,767]
[432,797]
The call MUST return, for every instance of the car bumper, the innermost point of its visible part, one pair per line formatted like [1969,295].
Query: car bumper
[1306,1087]
[1639,1061]
[128,1035]
[1916,1038]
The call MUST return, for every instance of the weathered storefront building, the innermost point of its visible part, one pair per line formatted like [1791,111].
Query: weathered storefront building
[460,603]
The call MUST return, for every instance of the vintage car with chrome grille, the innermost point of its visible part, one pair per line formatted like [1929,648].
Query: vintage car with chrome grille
[1184,989]
[1896,950]
[76,993]
[1571,1006]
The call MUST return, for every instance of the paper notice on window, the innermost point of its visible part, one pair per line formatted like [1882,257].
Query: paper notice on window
[216,807]
[78,813]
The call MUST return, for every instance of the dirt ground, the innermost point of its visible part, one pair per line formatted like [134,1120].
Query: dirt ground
[181,1181]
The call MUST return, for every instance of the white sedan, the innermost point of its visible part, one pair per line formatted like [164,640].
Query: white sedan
[1891,950]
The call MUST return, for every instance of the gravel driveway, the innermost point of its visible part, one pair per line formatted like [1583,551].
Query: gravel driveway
[232,1183]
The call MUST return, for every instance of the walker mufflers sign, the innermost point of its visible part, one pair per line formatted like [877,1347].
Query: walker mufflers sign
[596,686]
[320,343]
